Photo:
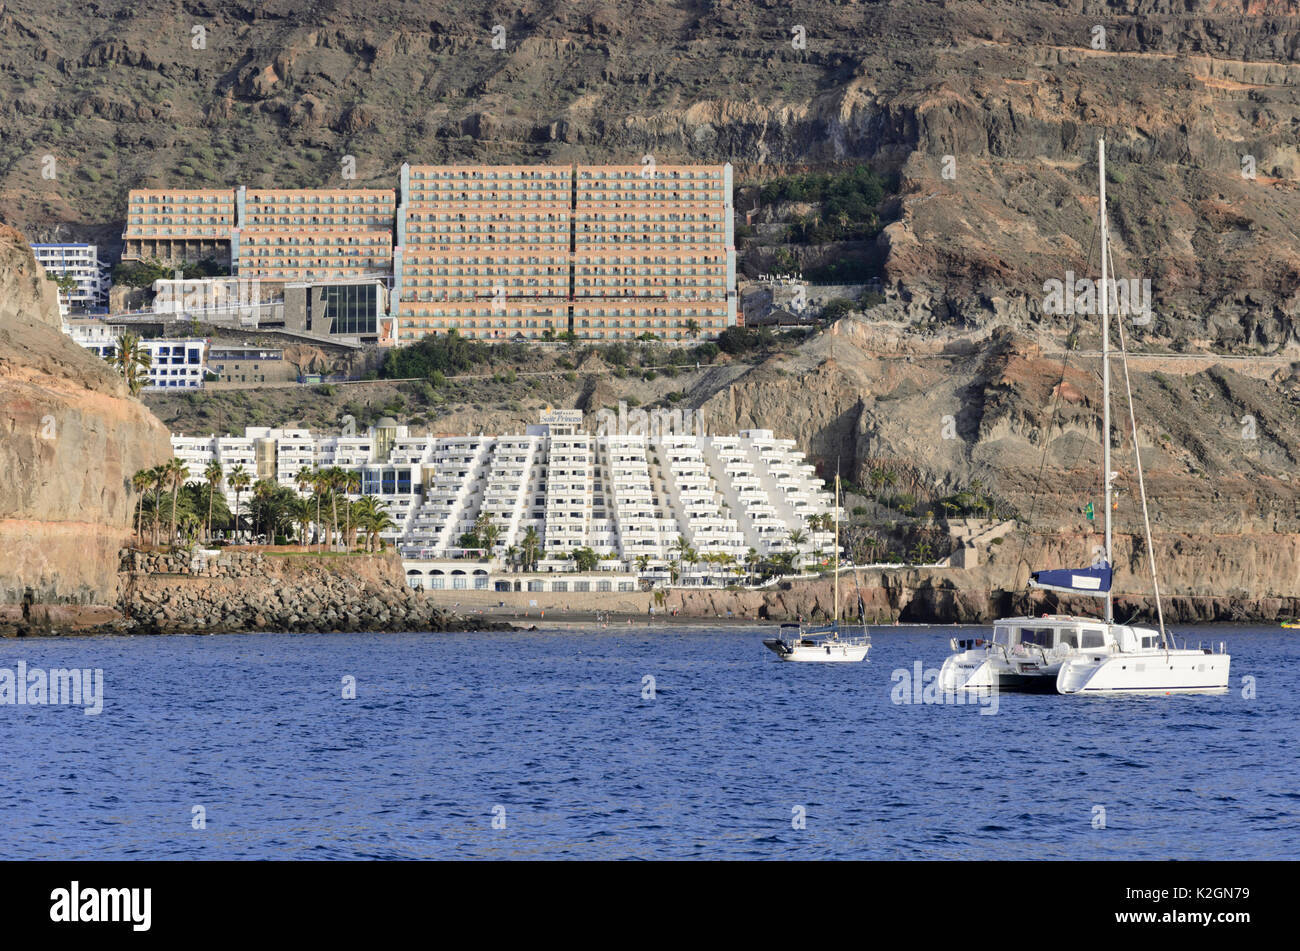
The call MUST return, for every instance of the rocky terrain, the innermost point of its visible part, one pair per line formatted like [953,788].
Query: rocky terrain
[1203,580]
[71,437]
[237,592]
[984,114]
[1218,438]
[986,110]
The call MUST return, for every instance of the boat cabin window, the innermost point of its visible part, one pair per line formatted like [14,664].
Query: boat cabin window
[1149,641]
[1002,635]
[1042,636]
[1093,637]
[1070,637]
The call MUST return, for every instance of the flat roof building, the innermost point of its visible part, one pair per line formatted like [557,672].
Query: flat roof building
[626,496]
[179,225]
[500,252]
[323,234]
[81,263]
[173,363]
[535,252]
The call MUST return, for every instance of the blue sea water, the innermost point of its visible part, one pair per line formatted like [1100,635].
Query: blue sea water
[553,733]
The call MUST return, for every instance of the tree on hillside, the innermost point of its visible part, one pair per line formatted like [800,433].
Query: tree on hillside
[133,360]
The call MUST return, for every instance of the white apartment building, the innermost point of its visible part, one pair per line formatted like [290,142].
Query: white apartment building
[173,363]
[81,263]
[93,334]
[632,499]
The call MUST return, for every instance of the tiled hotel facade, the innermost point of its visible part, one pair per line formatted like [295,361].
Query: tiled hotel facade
[496,252]
[610,252]
[298,234]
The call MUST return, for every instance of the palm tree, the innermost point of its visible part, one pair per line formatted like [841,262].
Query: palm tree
[752,561]
[177,473]
[796,537]
[320,492]
[531,544]
[488,532]
[334,480]
[213,473]
[190,525]
[351,485]
[263,494]
[300,511]
[158,480]
[134,362]
[680,548]
[690,556]
[643,563]
[309,478]
[373,520]
[363,509]
[140,482]
[239,480]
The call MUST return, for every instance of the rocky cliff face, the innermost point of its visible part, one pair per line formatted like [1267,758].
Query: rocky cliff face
[989,111]
[70,440]
[247,591]
[1217,438]
[1203,579]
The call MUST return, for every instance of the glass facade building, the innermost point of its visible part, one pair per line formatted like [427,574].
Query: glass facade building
[352,308]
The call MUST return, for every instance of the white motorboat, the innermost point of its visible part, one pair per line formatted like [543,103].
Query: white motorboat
[830,643]
[1079,655]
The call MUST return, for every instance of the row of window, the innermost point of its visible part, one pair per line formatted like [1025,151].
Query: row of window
[358,220]
[324,242]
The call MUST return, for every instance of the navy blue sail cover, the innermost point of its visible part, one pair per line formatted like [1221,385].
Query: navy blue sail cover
[1092,580]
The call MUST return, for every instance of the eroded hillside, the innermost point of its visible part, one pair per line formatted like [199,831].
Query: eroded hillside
[989,112]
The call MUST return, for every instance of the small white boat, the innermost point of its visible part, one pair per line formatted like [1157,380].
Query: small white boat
[1078,655]
[827,644]
[820,645]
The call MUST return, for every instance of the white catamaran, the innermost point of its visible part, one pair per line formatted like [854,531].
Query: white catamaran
[825,644]
[1078,655]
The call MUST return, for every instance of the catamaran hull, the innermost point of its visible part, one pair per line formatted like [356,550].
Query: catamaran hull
[1179,671]
[974,670]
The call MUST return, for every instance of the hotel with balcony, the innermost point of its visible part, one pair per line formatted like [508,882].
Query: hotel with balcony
[81,263]
[534,252]
[483,250]
[173,363]
[523,252]
[174,226]
[632,499]
[653,251]
[323,234]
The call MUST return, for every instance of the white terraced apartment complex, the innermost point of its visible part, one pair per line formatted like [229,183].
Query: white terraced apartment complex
[623,496]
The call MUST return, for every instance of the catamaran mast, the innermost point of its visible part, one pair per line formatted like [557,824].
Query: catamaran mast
[1104,294]
[837,552]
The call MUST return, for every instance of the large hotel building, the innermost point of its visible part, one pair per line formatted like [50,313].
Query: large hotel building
[628,497]
[495,252]
[273,234]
